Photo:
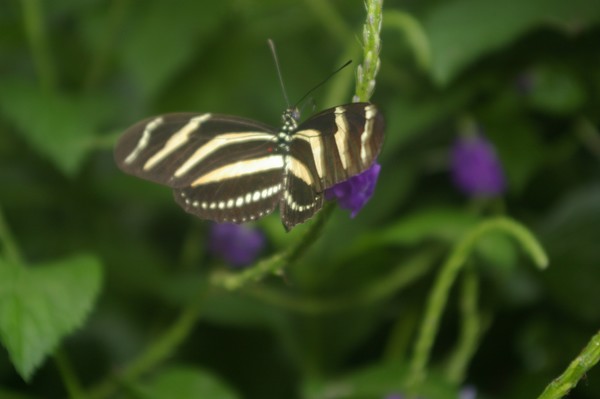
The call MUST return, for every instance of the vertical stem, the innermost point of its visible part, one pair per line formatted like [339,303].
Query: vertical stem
[68,375]
[441,289]
[367,71]
[433,313]
[470,329]
[34,29]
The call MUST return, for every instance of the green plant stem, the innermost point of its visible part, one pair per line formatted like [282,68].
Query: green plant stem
[588,358]
[10,249]
[440,291]
[163,347]
[40,50]
[68,375]
[403,275]
[367,71]
[274,264]
[470,329]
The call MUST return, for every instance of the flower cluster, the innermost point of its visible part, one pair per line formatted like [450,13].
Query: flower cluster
[476,169]
[238,245]
[355,192]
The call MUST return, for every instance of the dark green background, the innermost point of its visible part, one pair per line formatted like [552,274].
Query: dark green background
[526,71]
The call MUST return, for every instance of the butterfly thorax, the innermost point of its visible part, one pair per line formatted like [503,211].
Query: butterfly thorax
[290,124]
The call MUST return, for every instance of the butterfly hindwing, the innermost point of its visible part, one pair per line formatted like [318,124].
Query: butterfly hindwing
[235,200]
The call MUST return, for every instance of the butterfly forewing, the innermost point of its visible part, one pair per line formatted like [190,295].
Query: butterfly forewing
[178,149]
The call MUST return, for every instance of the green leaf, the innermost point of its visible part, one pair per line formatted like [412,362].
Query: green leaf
[164,38]
[40,305]
[570,232]
[462,31]
[57,126]
[520,161]
[186,383]
[409,117]
[556,90]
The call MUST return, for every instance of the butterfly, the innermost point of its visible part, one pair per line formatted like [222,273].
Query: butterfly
[231,169]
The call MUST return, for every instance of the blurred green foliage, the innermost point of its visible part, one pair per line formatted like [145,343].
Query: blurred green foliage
[138,316]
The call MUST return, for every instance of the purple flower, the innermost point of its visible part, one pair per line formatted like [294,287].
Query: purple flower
[238,245]
[467,392]
[394,396]
[355,192]
[476,169]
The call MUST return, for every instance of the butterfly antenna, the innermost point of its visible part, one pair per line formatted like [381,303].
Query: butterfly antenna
[323,82]
[274,52]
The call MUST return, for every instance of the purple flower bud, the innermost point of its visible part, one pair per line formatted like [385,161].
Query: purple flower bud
[238,245]
[467,392]
[355,192]
[394,396]
[476,169]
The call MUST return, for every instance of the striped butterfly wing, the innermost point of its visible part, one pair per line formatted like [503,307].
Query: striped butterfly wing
[327,149]
[222,168]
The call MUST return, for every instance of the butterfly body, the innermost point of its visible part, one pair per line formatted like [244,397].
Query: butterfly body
[231,169]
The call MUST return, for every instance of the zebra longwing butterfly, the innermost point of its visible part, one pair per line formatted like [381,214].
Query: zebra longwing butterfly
[230,169]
